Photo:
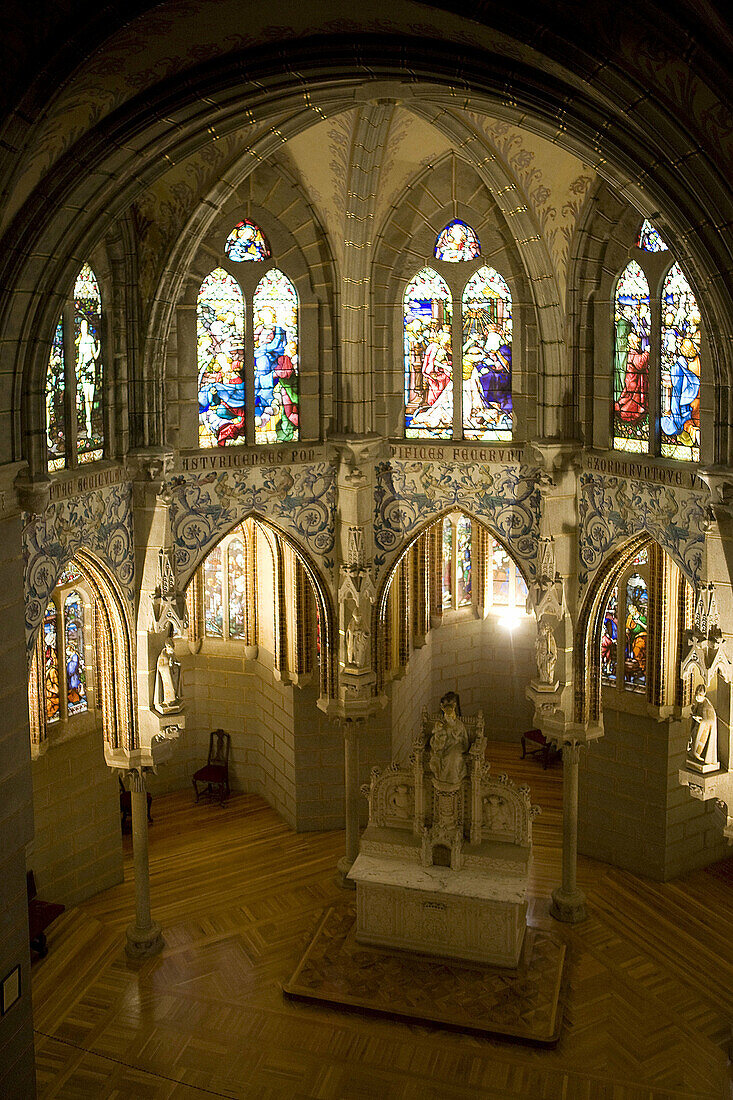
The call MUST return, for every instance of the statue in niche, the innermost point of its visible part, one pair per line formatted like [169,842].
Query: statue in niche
[497,814]
[166,697]
[399,802]
[449,742]
[546,653]
[357,641]
[702,747]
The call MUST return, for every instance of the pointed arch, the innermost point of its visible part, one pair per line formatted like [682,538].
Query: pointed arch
[427,317]
[220,360]
[487,356]
[277,358]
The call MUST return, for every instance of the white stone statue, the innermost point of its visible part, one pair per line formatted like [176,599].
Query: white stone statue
[166,697]
[400,801]
[546,653]
[497,813]
[357,641]
[703,744]
[449,743]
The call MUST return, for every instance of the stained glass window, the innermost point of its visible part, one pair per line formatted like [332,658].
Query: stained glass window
[631,361]
[76,687]
[680,378]
[521,590]
[88,366]
[247,242]
[237,587]
[642,558]
[69,575]
[649,238]
[463,561]
[447,562]
[55,410]
[636,631]
[456,242]
[213,594]
[501,570]
[609,640]
[428,312]
[220,343]
[487,357]
[275,307]
[51,664]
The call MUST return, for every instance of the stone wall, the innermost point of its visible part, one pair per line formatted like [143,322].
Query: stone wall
[632,811]
[76,850]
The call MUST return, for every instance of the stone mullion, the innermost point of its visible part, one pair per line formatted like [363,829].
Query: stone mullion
[403,618]
[685,608]
[479,554]
[657,637]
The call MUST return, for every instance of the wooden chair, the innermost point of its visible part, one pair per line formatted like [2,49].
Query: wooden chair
[40,915]
[547,750]
[126,804]
[215,773]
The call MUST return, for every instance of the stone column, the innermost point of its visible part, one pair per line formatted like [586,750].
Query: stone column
[144,936]
[568,901]
[351,731]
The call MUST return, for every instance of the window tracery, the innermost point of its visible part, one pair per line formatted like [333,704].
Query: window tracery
[656,357]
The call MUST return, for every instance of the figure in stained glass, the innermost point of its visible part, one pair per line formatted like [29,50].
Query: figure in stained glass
[220,342]
[609,640]
[680,379]
[501,565]
[456,242]
[631,361]
[447,573]
[637,599]
[463,562]
[55,411]
[237,588]
[487,357]
[213,595]
[275,306]
[247,242]
[649,238]
[428,357]
[88,368]
[51,664]
[76,687]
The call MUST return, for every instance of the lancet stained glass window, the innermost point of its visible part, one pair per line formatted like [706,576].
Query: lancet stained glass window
[247,242]
[487,357]
[609,640]
[213,594]
[275,309]
[650,239]
[463,561]
[220,350]
[237,587]
[447,574]
[55,404]
[456,242]
[680,377]
[427,314]
[51,664]
[76,688]
[631,361]
[88,366]
[637,599]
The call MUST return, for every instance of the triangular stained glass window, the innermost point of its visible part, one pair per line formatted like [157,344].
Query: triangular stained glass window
[247,242]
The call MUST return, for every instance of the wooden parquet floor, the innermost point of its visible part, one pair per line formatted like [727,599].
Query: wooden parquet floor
[648,990]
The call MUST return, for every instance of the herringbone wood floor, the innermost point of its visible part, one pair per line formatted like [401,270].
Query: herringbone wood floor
[649,998]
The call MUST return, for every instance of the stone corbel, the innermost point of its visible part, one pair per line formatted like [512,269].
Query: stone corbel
[719,482]
[153,467]
[33,493]
[354,452]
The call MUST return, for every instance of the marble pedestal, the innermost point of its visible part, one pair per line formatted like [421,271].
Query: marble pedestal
[436,911]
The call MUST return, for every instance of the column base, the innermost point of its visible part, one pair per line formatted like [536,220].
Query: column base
[343,867]
[569,908]
[142,942]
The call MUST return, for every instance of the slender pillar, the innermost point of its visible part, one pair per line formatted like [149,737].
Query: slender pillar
[352,796]
[568,902]
[144,936]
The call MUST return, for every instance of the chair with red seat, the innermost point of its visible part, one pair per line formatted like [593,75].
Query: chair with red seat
[40,915]
[215,773]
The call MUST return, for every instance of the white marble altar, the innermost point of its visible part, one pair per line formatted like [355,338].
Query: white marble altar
[444,862]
